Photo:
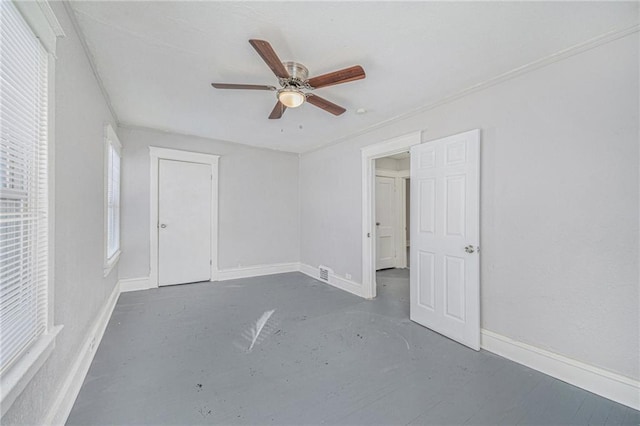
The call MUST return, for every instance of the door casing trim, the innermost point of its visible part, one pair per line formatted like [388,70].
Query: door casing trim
[155,155]
[369,154]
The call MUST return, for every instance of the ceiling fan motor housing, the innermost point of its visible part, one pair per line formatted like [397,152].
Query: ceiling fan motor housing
[298,75]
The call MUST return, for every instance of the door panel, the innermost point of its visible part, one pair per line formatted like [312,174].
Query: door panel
[385,222]
[445,219]
[427,206]
[426,276]
[184,215]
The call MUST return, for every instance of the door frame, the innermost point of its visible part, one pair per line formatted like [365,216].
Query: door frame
[369,154]
[156,154]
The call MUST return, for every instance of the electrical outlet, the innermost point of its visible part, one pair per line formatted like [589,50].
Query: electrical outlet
[347,276]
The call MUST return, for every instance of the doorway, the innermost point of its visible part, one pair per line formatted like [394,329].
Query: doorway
[184,217]
[390,215]
[370,154]
[444,236]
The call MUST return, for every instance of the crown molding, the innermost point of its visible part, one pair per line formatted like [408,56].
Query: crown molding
[516,72]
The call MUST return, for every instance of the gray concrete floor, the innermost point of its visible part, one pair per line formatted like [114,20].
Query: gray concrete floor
[180,355]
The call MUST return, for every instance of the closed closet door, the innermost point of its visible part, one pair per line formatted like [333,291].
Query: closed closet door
[184,222]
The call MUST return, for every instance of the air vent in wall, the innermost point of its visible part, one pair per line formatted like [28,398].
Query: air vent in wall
[324,273]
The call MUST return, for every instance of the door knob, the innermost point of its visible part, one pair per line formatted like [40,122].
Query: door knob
[469,249]
[377,223]
[163,226]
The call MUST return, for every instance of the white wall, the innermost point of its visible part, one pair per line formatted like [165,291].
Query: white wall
[559,207]
[388,163]
[80,289]
[258,201]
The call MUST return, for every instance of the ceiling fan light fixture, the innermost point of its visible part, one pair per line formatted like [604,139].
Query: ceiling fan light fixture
[291,98]
[293,77]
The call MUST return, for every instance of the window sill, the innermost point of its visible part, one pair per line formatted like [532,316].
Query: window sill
[17,377]
[111,263]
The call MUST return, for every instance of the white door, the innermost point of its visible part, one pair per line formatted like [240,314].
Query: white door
[385,222]
[184,222]
[445,222]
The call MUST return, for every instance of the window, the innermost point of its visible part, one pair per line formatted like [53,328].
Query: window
[28,37]
[24,244]
[112,200]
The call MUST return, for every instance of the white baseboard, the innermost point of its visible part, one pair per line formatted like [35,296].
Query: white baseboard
[256,271]
[593,379]
[334,280]
[143,283]
[67,394]
[135,284]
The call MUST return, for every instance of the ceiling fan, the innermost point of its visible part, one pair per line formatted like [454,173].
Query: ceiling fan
[293,77]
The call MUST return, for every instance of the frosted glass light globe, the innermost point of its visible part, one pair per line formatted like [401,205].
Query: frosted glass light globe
[291,98]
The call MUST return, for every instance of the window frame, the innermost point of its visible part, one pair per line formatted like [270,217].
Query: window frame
[14,379]
[111,140]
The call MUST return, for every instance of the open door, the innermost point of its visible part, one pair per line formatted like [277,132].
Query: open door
[445,225]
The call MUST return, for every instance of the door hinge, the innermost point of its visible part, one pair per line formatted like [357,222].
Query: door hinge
[210,262]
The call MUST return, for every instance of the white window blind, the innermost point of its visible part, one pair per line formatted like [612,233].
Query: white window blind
[113,197]
[23,186]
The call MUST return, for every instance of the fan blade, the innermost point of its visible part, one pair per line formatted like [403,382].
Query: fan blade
[268,55]
[325,104]
[242,86]
[278,110]
[337,77]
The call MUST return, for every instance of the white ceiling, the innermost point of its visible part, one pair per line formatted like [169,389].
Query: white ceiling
[157,59]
